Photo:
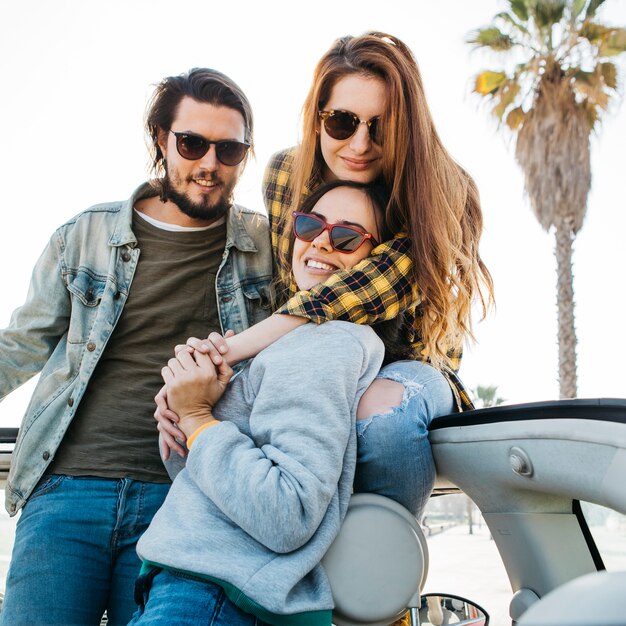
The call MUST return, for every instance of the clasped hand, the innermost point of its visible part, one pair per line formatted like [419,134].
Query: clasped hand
[194,381]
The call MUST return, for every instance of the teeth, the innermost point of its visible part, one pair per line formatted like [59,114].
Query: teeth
[320,266]
[203,182]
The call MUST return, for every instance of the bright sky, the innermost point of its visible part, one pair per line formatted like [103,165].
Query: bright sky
[76,75]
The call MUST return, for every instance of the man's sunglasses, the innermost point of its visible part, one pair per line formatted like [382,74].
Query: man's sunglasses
[194,147]
[343,238]
[343,124]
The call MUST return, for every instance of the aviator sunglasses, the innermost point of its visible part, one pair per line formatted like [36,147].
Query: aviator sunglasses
[343,238]
[343,124]
[193,147]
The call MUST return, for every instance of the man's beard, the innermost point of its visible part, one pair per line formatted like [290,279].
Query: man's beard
[206,209]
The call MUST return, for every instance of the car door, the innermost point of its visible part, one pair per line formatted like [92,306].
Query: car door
[527,467]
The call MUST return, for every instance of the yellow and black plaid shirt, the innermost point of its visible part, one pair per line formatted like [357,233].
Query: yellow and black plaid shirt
[376,289]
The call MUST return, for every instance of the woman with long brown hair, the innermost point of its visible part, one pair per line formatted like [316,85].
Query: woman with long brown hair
[366,119]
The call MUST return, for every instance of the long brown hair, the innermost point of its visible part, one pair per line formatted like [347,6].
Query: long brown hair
[432,199]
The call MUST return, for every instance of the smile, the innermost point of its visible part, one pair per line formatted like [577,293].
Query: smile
[357,164]
[318,265]
[203,182]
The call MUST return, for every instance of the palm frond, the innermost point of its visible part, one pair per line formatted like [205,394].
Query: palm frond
[548,12]
[594,33]
[594,5]
[520,9]
[491,37]
[506,96]
[591,86]
[615,43]
[609,74]
[515,118]
[577,8]
[488,82]
[510,19]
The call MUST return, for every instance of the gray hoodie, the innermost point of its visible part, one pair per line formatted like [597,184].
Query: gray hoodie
[263,494]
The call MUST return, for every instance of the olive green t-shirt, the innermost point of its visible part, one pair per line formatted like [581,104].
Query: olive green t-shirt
[172,297]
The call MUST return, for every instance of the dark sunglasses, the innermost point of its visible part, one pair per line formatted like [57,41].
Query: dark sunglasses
[194,147]
[343,124]
[343,238]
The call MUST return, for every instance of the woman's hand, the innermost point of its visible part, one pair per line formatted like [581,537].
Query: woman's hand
[194,384]
[248,343]
[167,420]
[214,345]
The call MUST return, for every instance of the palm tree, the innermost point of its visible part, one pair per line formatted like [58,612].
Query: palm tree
[487,396]
[558,84]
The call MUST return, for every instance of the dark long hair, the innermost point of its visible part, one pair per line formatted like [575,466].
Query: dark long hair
[391,332]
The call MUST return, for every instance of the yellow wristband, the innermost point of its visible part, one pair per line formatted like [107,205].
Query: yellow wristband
[198,430]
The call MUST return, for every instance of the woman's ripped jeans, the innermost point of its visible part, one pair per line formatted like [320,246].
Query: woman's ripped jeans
[393,452]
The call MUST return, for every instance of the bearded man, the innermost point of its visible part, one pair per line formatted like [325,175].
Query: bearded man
[117,287]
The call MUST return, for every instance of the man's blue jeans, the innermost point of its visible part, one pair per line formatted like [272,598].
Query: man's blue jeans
[74,553]
[175,598]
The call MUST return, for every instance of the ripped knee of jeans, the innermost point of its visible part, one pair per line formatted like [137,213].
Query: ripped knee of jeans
[380,398]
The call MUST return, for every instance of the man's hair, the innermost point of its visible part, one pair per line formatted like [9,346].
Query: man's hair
[203,85]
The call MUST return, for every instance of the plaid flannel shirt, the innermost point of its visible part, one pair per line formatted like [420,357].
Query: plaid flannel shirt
[376,289]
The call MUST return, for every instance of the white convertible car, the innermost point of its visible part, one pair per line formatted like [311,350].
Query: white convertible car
[528,468]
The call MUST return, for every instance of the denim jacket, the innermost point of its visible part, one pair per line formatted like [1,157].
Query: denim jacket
[77,293]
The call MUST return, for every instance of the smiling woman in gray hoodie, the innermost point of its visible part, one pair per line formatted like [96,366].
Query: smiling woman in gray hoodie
[272,452]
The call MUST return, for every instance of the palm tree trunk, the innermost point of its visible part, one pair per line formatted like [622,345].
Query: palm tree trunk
[565,306]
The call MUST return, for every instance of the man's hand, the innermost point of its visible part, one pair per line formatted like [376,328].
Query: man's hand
[194,384]
[167,422]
